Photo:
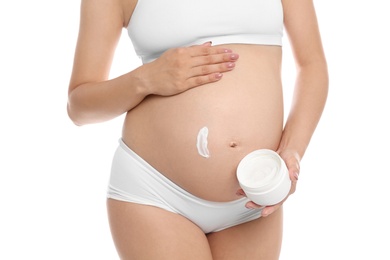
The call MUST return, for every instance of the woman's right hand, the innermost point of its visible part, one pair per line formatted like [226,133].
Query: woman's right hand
[180,69]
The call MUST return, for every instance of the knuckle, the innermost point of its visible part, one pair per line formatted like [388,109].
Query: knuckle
[226,57]
[205,70]
[223,67]
[206,50]
[180,57]
[209,59]
[199,81]
[179,51]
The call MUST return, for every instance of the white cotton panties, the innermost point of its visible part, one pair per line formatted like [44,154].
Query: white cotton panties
[134,180]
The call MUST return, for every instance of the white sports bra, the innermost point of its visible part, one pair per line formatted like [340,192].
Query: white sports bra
[158,25]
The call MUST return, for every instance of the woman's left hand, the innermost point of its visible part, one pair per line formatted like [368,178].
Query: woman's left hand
[292,160]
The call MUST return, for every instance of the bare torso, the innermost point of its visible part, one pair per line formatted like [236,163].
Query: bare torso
[243,112]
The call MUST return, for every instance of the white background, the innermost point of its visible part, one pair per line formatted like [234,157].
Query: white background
[54,174]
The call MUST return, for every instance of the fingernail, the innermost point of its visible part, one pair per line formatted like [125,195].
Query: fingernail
[248,207]
[208,43]
[296,176]
[234,56]
[218,75]
[230,65]
[227,50]
[239,193]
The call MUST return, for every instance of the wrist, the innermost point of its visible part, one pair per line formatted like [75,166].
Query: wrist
[292,148]
[141,81]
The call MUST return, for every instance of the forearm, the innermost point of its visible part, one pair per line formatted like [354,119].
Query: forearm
[95,102]
[175,71]
[309,99]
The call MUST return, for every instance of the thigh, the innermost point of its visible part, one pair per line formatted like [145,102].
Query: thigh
[258,239]
[147,232]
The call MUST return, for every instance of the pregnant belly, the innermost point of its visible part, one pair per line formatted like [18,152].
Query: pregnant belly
[197,138]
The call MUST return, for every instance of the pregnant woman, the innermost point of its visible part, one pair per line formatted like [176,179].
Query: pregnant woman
[208,92]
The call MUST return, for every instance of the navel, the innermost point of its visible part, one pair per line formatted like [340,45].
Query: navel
[233,144]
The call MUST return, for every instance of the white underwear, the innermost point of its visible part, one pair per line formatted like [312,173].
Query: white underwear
[134,180]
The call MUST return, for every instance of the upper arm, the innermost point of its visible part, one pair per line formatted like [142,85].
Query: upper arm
[101,23]
[302,29]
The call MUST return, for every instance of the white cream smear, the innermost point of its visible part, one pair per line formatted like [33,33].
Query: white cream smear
[201,142]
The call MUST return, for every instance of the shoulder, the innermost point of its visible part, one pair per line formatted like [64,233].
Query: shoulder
[113,10]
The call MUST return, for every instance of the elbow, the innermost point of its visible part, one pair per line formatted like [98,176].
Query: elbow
[316,69]
[315,62]
[75,110]
[73,116]
[80,112]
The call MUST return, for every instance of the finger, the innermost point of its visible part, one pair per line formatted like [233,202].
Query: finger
[293,186]
[241,192]
[252,205]
[214,59]
[293,168]
[205,50]
[294,174]
[209,69]
[205,79]
[269,210]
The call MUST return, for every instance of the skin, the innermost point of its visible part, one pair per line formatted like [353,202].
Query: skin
[208,74]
